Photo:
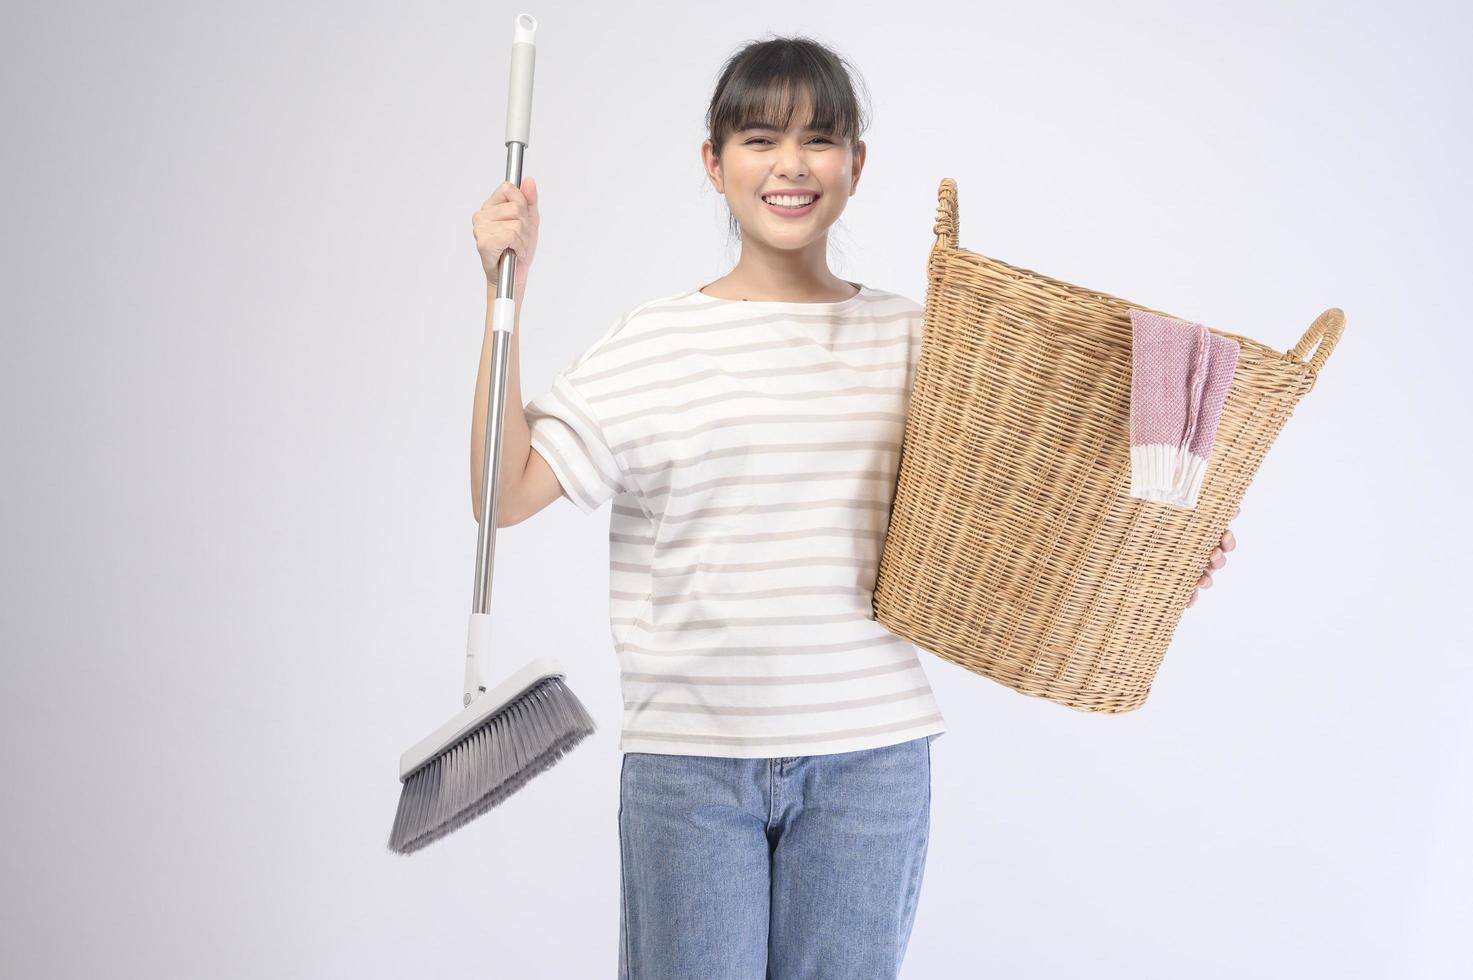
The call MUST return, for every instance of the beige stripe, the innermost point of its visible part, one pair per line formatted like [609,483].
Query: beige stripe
[760,594]
[803,370]
[774,418]
[801,533]
[782,739]
[765,711]
[742,479]
[774,448]
[727,622]
[800,477]
[698,324]
[745,566]
[781,507]
[815,370]
[789,649]
[775,396]
[767,680]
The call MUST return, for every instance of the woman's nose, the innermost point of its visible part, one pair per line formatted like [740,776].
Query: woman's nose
[791,169]
[790,162]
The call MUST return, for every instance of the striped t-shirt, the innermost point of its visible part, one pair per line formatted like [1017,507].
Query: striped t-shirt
[750,450]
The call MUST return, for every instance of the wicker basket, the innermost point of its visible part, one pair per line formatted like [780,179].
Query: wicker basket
[1014,546]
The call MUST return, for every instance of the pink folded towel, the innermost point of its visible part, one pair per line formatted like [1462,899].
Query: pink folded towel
[1180,374]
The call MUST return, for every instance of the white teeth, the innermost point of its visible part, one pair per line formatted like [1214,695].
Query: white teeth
[790,202]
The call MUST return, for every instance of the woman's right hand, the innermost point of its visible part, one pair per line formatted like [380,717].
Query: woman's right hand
[508,219]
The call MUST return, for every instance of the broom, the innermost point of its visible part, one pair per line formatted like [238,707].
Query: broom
[505,736]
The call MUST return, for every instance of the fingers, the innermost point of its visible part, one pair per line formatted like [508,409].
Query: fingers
[1216,560]
[525,195]
[503,192]
[509,195]
[500,195]
[501,211]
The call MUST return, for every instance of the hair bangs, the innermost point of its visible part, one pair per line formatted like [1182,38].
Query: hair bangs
[764,85]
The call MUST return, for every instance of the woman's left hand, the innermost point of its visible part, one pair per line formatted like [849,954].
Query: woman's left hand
[1217,560]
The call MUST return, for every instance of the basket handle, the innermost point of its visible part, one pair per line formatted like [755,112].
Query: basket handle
[946,216]
[1326,329]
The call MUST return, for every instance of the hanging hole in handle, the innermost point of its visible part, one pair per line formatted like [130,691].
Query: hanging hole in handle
[1321,337]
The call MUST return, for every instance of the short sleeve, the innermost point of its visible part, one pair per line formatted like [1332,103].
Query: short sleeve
[565,431]
[917,338]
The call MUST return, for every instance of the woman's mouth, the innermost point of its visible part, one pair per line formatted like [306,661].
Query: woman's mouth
[790,206]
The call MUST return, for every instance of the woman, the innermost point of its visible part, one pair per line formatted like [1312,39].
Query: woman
[775,792]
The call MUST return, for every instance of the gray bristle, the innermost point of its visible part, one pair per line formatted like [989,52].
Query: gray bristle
[526,737]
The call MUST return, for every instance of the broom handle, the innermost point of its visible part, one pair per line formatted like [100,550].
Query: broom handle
[503,318]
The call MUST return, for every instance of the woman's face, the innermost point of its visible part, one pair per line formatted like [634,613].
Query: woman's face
[759,162]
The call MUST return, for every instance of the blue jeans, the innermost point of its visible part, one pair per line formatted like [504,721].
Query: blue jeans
[795,868]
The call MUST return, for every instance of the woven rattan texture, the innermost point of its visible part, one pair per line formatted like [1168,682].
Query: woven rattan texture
[1014,547]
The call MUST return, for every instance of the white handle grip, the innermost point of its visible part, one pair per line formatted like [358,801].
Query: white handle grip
[477,646]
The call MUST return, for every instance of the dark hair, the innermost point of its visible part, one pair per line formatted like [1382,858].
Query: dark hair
[760,85]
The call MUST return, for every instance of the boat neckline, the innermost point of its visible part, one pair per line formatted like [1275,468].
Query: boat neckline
[863,291]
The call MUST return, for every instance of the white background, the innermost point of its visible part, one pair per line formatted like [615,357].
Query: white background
[242,314]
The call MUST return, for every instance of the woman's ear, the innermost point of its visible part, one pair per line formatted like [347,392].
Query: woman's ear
[711,164]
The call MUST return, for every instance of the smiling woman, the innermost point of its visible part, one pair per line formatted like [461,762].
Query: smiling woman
[774,806]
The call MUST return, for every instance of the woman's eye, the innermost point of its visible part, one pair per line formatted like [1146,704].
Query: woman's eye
[763,139]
